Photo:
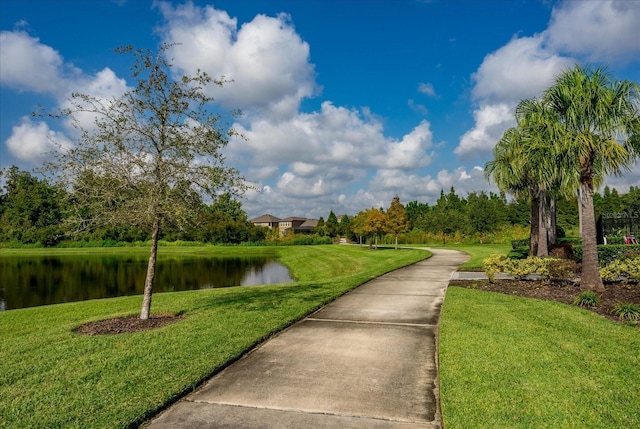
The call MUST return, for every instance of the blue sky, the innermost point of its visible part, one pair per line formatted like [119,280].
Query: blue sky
[346,103]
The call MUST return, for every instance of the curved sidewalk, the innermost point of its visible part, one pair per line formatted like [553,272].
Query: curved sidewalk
[367,360]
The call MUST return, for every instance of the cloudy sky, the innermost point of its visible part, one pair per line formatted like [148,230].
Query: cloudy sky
[346,103]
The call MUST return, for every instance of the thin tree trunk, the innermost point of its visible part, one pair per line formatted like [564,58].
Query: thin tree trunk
[534,233]
[551,224]
[396,242]
[591,279]
[543,238]
[580,212]
[151,271]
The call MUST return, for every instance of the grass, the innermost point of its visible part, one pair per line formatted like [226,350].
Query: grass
[478,253]
[52,377]
[511,362]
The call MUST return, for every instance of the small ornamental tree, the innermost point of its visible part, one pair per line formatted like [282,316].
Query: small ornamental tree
[374,223]
[150,155]
[396,221]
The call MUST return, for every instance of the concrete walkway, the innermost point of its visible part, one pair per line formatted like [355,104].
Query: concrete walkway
[367,360]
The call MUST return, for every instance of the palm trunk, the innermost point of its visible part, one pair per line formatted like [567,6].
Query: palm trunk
[591,279]
[534,233]
[551,222]
[580,212]
[543,239]
[151,271]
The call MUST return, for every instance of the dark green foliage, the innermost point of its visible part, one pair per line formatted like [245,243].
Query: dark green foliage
[627,311]
[586,299]
[331,225]
[608,253]
[30,209]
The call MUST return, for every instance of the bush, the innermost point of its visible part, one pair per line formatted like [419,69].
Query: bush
[518,268]
[494,264]
[517,244]
[626,267]
[586,299]
[627,310]
[608,253]
[521,268]
[563,269]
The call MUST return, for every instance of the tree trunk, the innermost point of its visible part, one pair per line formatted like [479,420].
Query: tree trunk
[534,233]
[551,222]
[396,242]
[580,213]
[591,279]
[543,237]
[151,271]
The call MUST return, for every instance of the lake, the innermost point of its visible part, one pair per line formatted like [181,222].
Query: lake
[41,280]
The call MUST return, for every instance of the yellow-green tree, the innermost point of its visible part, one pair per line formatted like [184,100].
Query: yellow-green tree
[396,219]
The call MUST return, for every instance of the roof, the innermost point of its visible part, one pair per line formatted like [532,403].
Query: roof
[310,223]
[293,218]
[265,218]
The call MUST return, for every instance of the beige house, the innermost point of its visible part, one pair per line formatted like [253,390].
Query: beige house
[298,225]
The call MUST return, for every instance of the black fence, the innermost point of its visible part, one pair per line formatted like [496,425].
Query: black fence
[618,228]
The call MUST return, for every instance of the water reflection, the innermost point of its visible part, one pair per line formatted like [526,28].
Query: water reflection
[34,281]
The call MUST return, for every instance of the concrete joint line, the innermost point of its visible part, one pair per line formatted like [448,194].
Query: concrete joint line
[364,322]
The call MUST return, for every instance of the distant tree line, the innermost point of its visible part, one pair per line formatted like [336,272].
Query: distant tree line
[33,212]
[481,217]
[36,212]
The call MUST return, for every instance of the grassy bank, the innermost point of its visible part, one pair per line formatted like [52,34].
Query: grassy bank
[52,377]
[510,362]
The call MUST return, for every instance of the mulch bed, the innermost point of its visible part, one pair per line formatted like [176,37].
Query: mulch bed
[122,325]
[564,292]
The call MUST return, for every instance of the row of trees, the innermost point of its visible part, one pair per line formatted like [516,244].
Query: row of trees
[34,211]
[583,128]
[480,217]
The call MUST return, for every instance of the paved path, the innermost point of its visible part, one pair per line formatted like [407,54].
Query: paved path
[367,360]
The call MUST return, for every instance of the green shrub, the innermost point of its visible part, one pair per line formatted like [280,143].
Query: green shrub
[494,264]
[586,299]
[517,244]
[519,253]
[627,311]
[518,268]
[626,267]
[608,253]
[532,265]
[563,269]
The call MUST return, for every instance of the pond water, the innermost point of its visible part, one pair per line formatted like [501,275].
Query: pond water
[34,281]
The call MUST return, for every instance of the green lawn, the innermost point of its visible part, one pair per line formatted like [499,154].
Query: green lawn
[511,362]
[478,253]
[51,377]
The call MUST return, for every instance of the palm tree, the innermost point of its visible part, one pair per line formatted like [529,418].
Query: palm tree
[524,163]
[601,123]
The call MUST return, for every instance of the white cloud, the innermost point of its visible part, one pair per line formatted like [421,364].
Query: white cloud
[490,123]
[522,68]
[596,30]
[33,142]
[265,57]
[26,64]
[427,89]
[332,136]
